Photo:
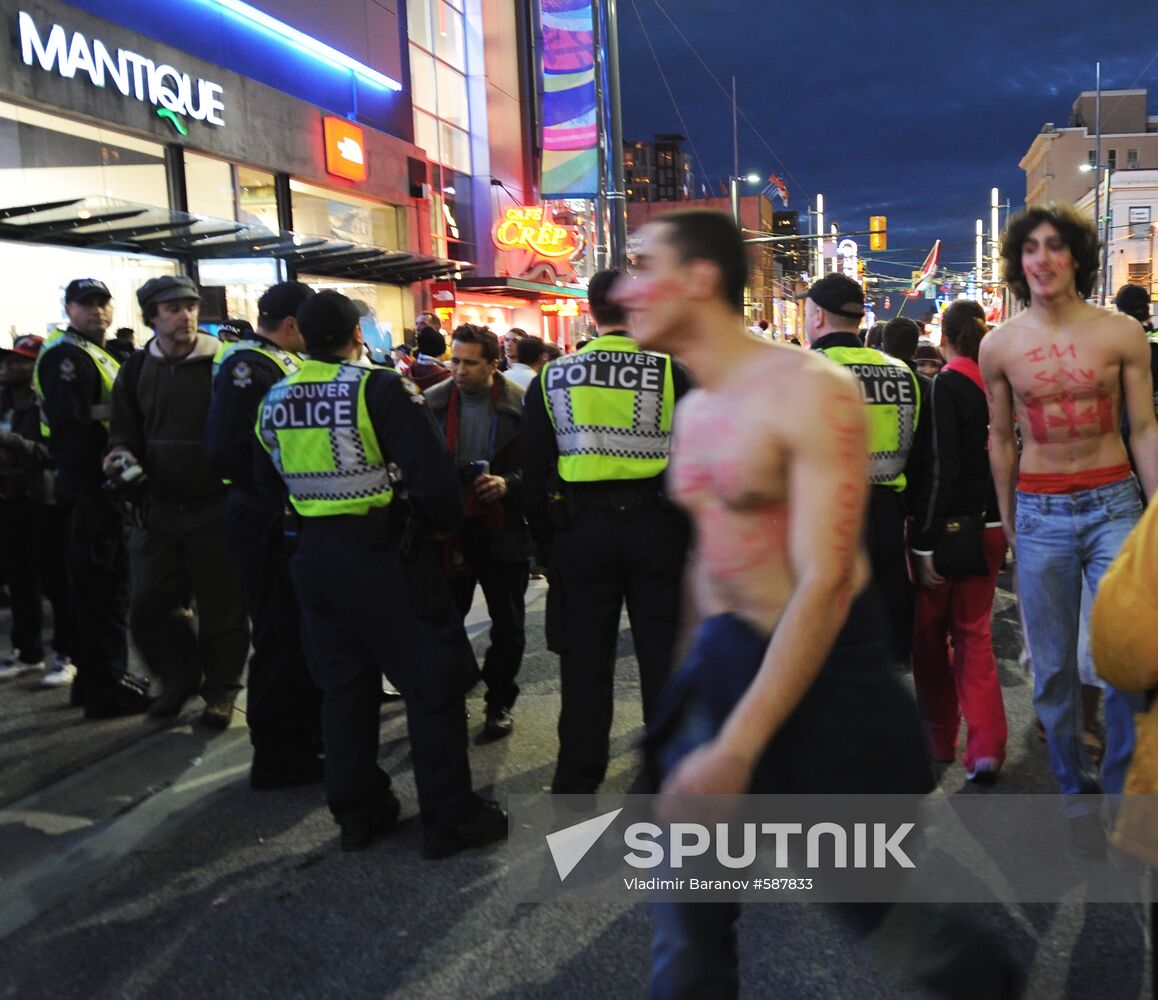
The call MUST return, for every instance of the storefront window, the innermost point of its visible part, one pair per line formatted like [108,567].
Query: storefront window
[452,106]
[448,36]
[426,134]
[438,82]
[418,22]
[387,310]
[455,145]
[209,186]
[318,212]
[42,272]
[422,79]
[256,198]
[46,158]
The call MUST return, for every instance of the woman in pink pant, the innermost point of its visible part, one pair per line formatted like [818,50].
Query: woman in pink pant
[953,663]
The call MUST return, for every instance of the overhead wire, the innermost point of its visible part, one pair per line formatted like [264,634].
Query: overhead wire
[667,86]
[1144,69]
[743,114]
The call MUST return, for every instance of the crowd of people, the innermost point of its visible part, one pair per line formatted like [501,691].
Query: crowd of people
[253,499]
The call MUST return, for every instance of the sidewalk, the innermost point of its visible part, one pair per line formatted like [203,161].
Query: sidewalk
[151,870]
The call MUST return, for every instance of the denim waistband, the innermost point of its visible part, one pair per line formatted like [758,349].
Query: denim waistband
[1082,500]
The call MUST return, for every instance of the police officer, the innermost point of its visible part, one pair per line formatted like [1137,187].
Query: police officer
[899,447]
[596,437]
[332,430]
[284,706]
[1134,300]
[73,380]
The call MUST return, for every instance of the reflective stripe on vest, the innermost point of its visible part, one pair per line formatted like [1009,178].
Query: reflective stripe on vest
[317,429]
[611,405]
[286,361]
[892,397]
[106,366]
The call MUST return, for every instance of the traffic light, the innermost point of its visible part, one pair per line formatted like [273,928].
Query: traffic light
[878,232]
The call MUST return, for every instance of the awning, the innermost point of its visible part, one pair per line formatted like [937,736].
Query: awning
[100,223]
[518,288]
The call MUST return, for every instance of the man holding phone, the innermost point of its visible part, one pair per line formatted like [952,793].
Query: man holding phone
[481,414]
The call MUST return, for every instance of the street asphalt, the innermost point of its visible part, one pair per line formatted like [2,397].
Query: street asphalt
[135,862]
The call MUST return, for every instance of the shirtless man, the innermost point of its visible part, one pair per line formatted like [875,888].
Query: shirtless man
[787,686]
[1064,370]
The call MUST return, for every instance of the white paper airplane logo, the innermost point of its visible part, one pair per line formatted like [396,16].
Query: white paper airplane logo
[349,149]
[570,845]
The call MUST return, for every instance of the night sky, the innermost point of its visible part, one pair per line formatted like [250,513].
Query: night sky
[904,109]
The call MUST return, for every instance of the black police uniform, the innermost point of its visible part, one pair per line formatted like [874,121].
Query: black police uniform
[284,705]
[349,572]
[885,519]
[604,543]
[98,559]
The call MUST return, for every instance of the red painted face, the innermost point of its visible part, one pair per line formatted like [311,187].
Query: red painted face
[654,294]
[1048,264]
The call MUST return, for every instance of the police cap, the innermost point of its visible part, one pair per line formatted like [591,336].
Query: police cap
[327,321]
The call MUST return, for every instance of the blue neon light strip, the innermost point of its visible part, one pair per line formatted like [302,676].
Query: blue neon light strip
[305,43]
[237,36]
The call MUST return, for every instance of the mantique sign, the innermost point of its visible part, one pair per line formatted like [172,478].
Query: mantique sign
[173,93]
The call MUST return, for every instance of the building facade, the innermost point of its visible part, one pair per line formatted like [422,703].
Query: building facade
[1132,221]
[1127,178]
[658,170]
[374,146]
[240,144]
[1129,142]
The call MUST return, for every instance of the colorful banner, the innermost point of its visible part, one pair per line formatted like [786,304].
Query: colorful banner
[570,133]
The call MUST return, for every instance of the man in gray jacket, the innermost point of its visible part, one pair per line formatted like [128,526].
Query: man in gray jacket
[178,552]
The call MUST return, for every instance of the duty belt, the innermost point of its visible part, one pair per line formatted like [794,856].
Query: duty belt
[603,497]
[373,526]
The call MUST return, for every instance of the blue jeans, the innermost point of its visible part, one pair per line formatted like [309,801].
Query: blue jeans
[1063,539]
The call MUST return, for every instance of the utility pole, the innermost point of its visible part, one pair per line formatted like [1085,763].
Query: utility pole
[613,197]
[1097,175]
[820,236]
[980,255]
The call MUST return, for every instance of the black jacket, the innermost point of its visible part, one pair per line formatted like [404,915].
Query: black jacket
[159,412]
[71,386]
[918,466]
[541,453]
[409,438]
[238,389]
[960,482]
[25,464]
[513,543]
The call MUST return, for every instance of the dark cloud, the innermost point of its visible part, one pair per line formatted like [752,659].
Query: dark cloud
[913,111]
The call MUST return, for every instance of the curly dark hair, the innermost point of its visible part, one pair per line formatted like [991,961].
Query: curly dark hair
[1077,234]
[468,333]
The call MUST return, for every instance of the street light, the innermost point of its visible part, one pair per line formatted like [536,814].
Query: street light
[734,191]
[1102,222]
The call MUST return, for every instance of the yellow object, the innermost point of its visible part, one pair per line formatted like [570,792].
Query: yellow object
[317,429]
[611,406]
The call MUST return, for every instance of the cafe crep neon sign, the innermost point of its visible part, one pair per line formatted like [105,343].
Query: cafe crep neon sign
[533,228]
